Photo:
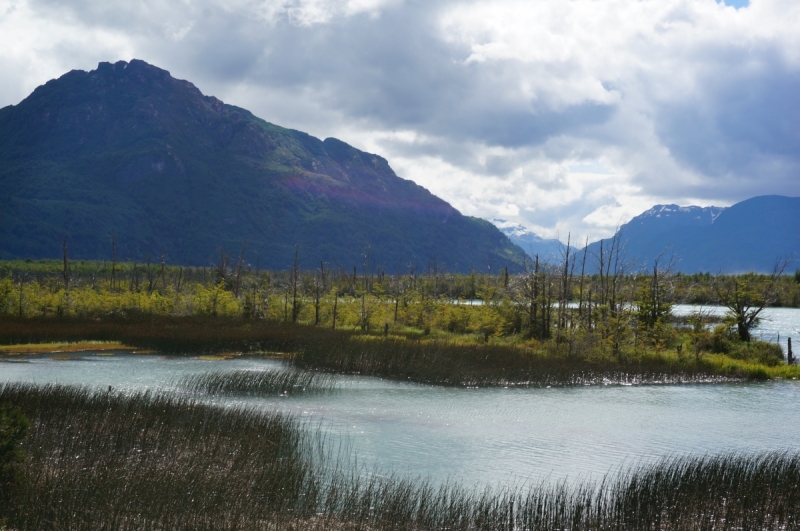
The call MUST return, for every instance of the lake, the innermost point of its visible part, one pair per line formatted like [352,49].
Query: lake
[491,435]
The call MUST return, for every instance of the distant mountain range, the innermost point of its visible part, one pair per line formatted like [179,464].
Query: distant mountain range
[128,149]
[748,236]
[533,244]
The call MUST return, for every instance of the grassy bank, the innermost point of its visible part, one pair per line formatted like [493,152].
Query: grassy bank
[101,460]
[435,358]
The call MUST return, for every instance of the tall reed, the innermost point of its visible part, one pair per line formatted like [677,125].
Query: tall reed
[433,362]
[258,383]
[101,460]
[444,363]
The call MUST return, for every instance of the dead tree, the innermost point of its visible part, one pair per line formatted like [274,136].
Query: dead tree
[295,281]
[65,272]
[239,269]
[113,260]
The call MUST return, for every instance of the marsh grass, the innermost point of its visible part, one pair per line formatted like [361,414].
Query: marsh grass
[259,383]
[431,361]
[448,363]
[99,460]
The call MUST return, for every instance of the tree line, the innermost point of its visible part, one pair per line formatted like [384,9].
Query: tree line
[618,304]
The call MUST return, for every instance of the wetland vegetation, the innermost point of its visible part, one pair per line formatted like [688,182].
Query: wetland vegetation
[99,459]
[553,324]
[258,383]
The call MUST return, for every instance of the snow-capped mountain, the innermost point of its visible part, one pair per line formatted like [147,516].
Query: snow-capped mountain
[530,242]
[666,216]
[748,236]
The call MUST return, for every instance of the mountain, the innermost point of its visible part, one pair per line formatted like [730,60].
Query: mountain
[748,236]
[533,244]
[128,149]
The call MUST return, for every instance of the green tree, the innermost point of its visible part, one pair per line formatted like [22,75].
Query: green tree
[746,296]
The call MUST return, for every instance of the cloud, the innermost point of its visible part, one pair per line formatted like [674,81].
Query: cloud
[567,117]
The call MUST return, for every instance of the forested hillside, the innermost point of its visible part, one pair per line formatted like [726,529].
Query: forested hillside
[128,151]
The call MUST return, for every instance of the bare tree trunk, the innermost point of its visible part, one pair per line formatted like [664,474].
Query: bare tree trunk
[65,272]
[563,289]
[239,269]
[320,286]
[535,299]
[295,281]
[149,276]
[21,281]
[583,270]
[134,278]
[162,274]
[113,260]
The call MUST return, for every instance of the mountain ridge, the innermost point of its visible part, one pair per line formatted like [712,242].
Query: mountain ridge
[748,236]
[129,149]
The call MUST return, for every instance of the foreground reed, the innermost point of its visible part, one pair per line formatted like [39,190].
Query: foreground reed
[101,460]
[259,383]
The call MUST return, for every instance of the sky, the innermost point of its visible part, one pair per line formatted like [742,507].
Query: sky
[566,116]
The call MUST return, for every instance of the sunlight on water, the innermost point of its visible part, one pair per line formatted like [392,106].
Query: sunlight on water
[487,435]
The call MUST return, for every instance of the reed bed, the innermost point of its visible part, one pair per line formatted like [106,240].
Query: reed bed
[101,460]
[445,363]
[259,383]
[347,352]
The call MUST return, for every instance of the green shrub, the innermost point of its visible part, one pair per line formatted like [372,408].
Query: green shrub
[769,354]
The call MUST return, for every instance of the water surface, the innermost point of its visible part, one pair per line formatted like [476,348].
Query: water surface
[487,435]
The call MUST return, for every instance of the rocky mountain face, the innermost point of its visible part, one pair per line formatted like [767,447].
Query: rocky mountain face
[748,236]
[128,150]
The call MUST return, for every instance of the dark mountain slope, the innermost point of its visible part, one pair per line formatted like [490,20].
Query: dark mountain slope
[748,236]
[127,148]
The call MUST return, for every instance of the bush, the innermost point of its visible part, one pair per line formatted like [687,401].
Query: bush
[769,354]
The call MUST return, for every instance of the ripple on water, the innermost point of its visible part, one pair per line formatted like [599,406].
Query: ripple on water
[489,435]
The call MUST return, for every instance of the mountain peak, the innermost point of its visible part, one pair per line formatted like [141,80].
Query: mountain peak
[529,241]
[130,149]
[748,236]
[690,215]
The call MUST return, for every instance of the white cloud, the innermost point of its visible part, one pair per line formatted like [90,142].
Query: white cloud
[565,116]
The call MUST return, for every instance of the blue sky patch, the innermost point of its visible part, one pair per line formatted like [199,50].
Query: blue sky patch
[736,3]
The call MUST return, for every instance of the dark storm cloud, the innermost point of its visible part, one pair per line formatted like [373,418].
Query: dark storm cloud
[394,71]
[742,125]
[489,102]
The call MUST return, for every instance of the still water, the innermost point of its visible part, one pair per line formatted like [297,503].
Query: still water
[489,435]
[494,436]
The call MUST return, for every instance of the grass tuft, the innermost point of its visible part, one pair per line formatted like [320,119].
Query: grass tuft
[259,383]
